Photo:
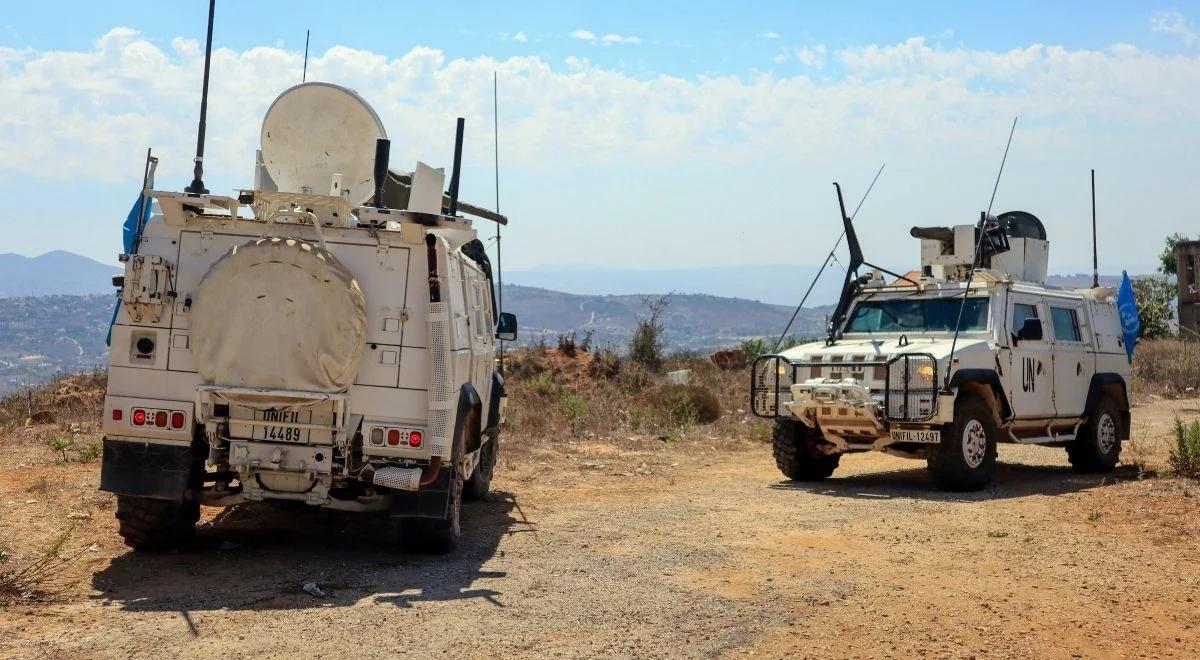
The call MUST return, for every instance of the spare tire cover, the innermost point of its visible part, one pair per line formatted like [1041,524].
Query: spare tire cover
[278,313]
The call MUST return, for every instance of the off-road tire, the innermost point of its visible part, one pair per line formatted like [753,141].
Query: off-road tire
[966,457]
[795,449]
[156,525]
[1097,448]
[481,479]
[436,536]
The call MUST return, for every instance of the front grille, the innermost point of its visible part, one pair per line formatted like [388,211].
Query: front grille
[911,390]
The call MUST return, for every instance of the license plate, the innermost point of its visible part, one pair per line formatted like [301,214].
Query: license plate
[925,436]
[282,433]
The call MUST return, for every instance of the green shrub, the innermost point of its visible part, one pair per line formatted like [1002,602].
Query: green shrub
[1184,458]
[756,347]
[567,345]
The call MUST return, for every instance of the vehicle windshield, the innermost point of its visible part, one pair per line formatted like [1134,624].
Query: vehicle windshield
[920,315]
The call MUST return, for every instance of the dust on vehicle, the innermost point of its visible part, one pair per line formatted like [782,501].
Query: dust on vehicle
[972,350]
[325,337]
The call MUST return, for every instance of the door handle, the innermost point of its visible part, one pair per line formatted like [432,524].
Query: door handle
[1078,369]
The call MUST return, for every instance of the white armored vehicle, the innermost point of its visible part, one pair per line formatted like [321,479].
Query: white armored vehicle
[944,364]
[327,337]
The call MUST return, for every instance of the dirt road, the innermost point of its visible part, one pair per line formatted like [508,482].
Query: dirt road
[656,550]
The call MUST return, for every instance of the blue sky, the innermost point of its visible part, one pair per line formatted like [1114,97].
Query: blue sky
[642,134]
[681,38]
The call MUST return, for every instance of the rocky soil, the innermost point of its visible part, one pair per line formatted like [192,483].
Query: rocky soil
[650,548]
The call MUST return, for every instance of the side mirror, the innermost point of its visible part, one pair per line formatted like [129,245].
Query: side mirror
[1031,331]
[506,327]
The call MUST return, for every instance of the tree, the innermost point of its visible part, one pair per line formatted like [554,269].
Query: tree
[1167,256]
[646,345]
[1155,298]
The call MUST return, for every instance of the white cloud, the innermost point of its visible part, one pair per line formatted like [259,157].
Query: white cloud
[812,57]
[520,37]
[1176,24]
[937,115]
[613,38]
[583,35]
[770,35]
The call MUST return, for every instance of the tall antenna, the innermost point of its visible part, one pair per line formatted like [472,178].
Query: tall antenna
[496,162]
[978,249]
[304,74]
[1095,258]
[197,185]
[828,258]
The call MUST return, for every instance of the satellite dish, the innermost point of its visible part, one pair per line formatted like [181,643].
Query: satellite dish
[315,130]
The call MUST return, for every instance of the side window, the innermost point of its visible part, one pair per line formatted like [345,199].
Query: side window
[1022,311]
[1066,324]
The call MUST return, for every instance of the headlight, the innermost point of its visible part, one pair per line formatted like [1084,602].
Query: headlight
[925,371]
[782,369]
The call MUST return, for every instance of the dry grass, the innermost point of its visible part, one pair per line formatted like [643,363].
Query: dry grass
[557,400]
[41,576]
[75,398]
[1167,367]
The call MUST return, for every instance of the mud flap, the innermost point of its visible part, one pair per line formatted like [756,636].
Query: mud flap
[432,501]
[145,469]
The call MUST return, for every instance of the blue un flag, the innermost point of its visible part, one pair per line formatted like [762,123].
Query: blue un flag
[1131,325]
[129,232]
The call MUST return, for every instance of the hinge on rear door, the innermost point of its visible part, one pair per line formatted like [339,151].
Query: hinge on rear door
[381,247]
[206,235]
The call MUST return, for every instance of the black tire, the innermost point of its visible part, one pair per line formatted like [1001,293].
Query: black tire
[1097,448]
[436,536]
[796,454]
[156,525]
[481,480]
[965,459]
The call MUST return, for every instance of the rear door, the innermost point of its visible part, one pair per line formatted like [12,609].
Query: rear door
[1073,364]
[1029,378]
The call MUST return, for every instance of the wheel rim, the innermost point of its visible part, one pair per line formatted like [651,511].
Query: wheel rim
[1106,433]
[974,443]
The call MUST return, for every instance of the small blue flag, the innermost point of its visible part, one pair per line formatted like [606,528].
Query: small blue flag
[1131,325]
[129,233]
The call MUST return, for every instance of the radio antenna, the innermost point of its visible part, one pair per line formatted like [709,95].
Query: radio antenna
[828,258]
[1095,257]
[304,74]
[978,250]
[197,185]
[496,163]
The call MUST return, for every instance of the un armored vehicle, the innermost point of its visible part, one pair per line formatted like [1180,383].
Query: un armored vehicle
[327,337]
[945,362]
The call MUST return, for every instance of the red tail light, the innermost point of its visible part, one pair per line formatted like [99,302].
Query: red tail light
[393,437]
[117,414]
[160,419]
[177,420]
[414,439]
[139,417]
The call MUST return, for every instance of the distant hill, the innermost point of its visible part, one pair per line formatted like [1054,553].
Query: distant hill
[691,321]
[54,273]
[42,336]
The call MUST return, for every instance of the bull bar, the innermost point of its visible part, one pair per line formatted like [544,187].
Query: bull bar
[900,392]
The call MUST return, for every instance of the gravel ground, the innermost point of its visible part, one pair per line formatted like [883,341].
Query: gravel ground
[677,550]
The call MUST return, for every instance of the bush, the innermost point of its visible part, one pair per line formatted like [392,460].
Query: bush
[605,365]
[755,347]
[676,406]
[566,344]
[1166,366]
[1184,458]
[646,346]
